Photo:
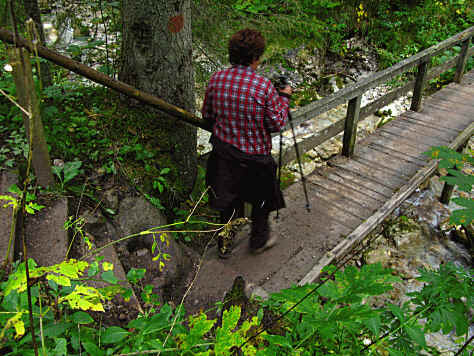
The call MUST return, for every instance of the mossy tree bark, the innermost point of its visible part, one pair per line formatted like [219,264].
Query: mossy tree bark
[157,58]
[29,101]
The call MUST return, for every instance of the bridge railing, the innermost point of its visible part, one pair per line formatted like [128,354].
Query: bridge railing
[353,94]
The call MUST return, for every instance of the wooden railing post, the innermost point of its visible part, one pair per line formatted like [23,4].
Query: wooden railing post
[350,127]
[419,85]
[462,61]
[448,188]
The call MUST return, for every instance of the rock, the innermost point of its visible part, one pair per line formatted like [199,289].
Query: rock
[111,199]
[136,214]
[47,240]
[307,168]
[58,162]
[93,221]
[172,262]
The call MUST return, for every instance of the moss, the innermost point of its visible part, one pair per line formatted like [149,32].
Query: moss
[287,178]
[339,82]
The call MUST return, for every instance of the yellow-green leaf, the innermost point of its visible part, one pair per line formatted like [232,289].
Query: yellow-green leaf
[107,266]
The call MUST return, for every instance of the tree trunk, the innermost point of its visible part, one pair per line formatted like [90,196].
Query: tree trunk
[157,58]
[28,100]
[32,11]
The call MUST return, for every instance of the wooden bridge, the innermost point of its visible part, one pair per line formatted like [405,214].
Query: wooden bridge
[358,189]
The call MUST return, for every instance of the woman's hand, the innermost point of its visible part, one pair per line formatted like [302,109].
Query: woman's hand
[286,90]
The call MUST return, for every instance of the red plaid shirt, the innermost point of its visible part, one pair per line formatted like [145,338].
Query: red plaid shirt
[244,108]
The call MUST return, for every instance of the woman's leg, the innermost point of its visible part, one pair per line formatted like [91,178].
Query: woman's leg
[260,226]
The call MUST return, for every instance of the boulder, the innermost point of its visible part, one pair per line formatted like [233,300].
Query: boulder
[165,260]
[135,215]
[46,238]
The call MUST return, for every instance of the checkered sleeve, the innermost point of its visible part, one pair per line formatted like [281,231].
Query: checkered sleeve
[276,110]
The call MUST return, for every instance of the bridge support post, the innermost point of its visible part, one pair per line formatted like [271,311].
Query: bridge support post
[350,127]
[461,66]
[448,188]
[419,86]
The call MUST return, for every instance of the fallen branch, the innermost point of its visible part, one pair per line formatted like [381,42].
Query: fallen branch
[100,78]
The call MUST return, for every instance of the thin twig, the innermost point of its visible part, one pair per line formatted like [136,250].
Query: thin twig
[146,352]
[196,205]
[18,105]
[464,346]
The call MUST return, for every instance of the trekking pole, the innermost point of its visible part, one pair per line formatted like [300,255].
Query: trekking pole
[282,82]
[279,168]
[303,178]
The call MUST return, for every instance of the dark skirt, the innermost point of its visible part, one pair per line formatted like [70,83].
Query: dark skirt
[236,176]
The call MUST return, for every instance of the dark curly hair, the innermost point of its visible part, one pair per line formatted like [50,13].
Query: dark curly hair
[245,46]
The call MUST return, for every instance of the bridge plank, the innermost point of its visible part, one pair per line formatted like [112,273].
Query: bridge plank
[345,189]
[375,163]
[457,94]
[379,143]
[421,138]
[344,204]
[370,185]
[460,104]
[416,126]
[387,153]
[432,114]
[375,176]
[415,146]
[411,119]
[356,184]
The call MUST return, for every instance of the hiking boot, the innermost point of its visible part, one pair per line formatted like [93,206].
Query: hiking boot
[272,241]
[225,243]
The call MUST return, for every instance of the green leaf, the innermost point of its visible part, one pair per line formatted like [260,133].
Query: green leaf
[71,169]
[15,190]
[467,203]
[92,349]
[462,181]
[416,334]
[61,347]
[114,334]
[135,274]
[278,340]
[59,280]
[459,320]
[81,317]
[394,352]
[397,312]
[462,217]
[373,324]
[109,277]
[199,326]
[56,330]
[93,269]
